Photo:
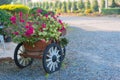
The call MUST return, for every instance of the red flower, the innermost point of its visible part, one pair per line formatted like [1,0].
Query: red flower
[29,31]
[21,20]
[13,19]
[20,14]
[43,25]
[60,22]
[46,15]
[39,10]
[62,29]
[16,33]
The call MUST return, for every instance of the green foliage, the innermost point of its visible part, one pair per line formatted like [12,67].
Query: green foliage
[4,17]
[74,6]
[5,2]
[111,11]
[63,42]
[69,6]
[87,4]
[64,7]
[113,4]
[59,5]
[51,6]
[80,5]
[102,4]
[44,12]
[94,6]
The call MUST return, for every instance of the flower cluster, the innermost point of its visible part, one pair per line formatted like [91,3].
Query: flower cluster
[33,27]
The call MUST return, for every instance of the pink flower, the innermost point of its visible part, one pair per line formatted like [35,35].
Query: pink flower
[20,14]
[21,20]
[46,15]
[62,29]
[16,33]
[60,22]
[13,19]
[29,31]
[43,25]
[54,18]
[39,10]
[29,23]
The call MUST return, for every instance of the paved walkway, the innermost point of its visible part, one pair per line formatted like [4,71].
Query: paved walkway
[93,53]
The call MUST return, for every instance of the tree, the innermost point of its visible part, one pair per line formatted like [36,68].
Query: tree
[87,4]
[5,2]
[80,4]
[94,5]
[74,6]
[59,6]
[102,4]
[51,6]
[64,8]
[113,4]
[68,6]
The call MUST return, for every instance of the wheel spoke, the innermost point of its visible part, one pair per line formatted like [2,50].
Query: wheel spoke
[58,56]
[49,56]
[48,60]
[56,64]
[21,50]
[58,60]
[20,61]
[49,63]
[55,50]
[53,66]
[23,62]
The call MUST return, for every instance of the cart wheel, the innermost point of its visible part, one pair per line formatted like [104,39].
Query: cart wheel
[63,53]
[52,58]
[21,61]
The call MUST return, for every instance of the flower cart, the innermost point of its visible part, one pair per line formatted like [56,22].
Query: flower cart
[39,36]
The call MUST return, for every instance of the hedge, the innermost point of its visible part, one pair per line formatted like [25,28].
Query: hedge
[15,8]
[111,11]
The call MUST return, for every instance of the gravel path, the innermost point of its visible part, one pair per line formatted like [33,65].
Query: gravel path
[92,53]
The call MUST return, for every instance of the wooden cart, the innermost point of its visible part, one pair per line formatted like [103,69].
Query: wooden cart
[51,53]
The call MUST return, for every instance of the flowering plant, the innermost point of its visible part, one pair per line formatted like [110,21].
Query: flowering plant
[34,27]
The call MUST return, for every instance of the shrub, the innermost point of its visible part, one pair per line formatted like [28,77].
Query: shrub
[15,8]
[43,11]
[111,11]
[4,17]
[94,5]
[88,11]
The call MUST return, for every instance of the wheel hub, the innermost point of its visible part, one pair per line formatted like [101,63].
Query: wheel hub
[54,58]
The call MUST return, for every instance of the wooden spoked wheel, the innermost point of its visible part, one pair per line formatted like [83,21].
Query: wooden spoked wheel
[52,58]
[21,61]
